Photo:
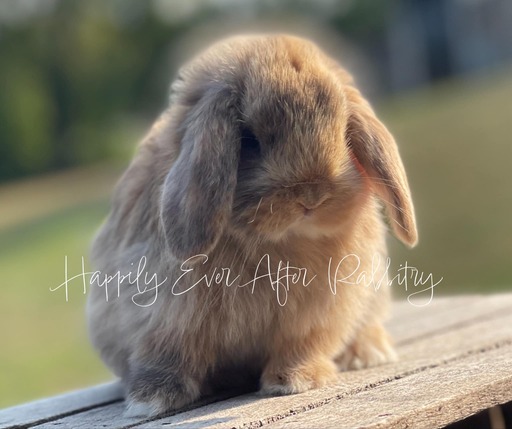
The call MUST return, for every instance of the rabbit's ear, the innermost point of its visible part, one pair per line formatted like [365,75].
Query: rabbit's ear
[197,195]
[375,149]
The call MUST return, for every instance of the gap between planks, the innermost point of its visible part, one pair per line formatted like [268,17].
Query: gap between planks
[463,337]
[455,391]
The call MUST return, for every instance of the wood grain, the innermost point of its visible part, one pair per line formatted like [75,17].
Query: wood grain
[429,399]
[455,360]
[423,356]
[62,405]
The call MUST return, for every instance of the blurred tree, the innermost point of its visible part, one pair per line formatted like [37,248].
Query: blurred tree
[66,75]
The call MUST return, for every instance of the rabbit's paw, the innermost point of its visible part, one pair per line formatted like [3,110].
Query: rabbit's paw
[279,379]
[153,391]
[371,347]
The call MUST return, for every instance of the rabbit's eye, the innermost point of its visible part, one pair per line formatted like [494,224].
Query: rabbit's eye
[250,146]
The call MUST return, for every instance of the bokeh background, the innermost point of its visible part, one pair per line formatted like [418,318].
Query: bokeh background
[81,81]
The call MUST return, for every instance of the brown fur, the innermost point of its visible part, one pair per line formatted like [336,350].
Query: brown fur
[303,193]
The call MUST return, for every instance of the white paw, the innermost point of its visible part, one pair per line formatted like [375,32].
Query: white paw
[372,347]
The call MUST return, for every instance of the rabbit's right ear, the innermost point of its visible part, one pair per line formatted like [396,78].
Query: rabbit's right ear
[377,153]
[198,191]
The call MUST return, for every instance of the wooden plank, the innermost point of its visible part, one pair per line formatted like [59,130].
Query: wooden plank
[107,416]
[446,345]
[113,416]
[416,357]
[403,309]
[429,338]
[59,406]
[429,399]
[447,314]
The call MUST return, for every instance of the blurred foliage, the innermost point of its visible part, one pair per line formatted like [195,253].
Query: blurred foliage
[65,79]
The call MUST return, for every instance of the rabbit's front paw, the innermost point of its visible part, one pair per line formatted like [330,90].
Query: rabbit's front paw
[371,347]
[279,379]
[152,391]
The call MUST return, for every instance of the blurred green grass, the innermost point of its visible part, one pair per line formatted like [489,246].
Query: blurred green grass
[44,341]
[456,146]
[456,143]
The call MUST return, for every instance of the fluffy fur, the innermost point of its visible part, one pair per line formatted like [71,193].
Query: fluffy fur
[267,148]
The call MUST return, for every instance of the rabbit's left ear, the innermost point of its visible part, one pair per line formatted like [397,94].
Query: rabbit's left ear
[198,191]
[375,149]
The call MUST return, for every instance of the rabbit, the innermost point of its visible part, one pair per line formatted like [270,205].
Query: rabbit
[268,160]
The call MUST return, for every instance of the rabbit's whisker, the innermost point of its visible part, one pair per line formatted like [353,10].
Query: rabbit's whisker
[386,182]
[398,208]
[256,212]
[401,226]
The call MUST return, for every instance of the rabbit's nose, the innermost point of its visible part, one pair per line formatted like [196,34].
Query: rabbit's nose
[310,205]
[312,202]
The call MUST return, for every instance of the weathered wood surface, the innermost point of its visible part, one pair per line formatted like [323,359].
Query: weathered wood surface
[59,406]
[455,360]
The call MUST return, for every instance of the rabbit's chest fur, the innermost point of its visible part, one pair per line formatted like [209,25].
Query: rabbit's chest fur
[235,311]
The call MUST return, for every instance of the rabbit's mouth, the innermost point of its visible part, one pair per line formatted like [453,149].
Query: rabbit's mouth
[275,221]
[310,224]
[315,219]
